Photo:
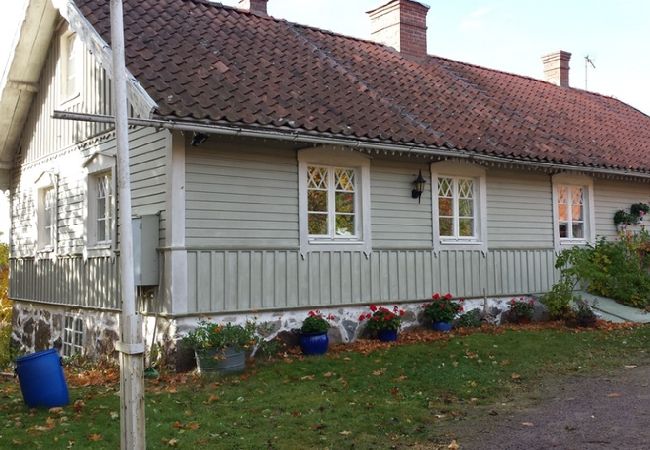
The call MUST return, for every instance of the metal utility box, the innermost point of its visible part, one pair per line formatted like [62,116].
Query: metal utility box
[145,254]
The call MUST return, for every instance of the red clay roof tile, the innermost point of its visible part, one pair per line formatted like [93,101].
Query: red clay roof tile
[203,61]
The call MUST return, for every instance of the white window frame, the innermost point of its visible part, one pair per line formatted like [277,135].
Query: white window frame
[460,170]
[97,165]
[70,47]
[587,184]
[72,342]
[46,181]
[329,157]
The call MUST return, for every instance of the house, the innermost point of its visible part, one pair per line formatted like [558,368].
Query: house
[273,168]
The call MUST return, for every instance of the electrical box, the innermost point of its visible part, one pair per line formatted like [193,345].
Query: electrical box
[145,249]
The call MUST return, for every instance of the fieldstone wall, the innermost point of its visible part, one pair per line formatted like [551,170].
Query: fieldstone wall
[39,327]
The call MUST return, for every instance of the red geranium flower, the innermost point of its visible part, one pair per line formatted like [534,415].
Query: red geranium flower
[436,296]
[373,308]
[448,296]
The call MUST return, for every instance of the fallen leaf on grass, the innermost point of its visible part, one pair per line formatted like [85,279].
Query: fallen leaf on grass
[78,405]
[454,445]
[631,366]
[95,437]
[379,372]
[172,442]
[328,374]
[55,410]
[211,399]
[515,376]
[307,377]
[345,433]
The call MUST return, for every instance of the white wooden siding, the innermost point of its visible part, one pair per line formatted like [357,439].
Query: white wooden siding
[241,196]
[519,209]
[610,196]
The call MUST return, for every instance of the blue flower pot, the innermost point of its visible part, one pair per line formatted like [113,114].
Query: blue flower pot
[314,343]
[387,335]
[445,327]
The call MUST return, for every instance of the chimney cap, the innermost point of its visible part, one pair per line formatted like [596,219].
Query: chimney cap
[388,3]
[254,6]
[556,67]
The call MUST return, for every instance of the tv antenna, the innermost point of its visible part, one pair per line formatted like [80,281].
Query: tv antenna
[588,62]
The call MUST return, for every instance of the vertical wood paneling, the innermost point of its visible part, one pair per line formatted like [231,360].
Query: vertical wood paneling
[262,279]
[66,281]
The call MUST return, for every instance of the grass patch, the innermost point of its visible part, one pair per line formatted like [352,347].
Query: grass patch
[388,399]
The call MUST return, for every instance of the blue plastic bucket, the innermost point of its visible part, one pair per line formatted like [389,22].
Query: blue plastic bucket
[42,382]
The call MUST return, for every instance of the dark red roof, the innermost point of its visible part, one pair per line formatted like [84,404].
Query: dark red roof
[210,63]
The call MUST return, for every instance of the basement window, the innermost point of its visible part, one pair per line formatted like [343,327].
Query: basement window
[73,333]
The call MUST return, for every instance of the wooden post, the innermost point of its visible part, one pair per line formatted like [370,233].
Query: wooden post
[131,347]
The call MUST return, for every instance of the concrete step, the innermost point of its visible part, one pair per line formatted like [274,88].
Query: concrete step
[615,312]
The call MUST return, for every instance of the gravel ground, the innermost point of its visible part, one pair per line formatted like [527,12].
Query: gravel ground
[608,412]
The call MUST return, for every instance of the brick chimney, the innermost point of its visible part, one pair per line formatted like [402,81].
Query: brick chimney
[556,67]
[401,24]
[257,6]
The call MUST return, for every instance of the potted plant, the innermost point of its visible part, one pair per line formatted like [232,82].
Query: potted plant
[441,311]
[221,349]
[313,333]
[382,322]
[520,310]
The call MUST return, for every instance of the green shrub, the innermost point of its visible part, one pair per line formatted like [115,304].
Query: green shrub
[558,300]
[470,319]
[614,269]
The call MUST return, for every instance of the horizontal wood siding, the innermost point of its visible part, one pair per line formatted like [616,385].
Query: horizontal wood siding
[610,196]
[238,280]
[399,221]
[241,196]
[66,281]
[519,209]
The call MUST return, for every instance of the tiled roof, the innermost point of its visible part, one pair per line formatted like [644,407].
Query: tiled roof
[215,64]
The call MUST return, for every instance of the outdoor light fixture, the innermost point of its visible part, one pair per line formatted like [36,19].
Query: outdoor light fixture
[418,186]
[198,139]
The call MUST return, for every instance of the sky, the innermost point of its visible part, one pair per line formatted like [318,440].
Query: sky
[508,35]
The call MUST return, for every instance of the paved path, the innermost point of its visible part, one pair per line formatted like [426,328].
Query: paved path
[610,412]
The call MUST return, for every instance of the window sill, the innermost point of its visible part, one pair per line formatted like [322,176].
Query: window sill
[573,242]
[459,244]
[99,250]
[316,245]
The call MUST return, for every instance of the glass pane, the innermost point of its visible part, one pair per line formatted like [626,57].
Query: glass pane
[101,230]
[344,180]
[563,211]
[317,224]
[344,225]
[576,211]
[578,230]
[563,196]
[576,196]
[466,207]
[466,189]
[445,187]
[101,208]
[446,226]
[466,227]
[445,207]
[317,200]
[344,202]
[317,178]
[564,230]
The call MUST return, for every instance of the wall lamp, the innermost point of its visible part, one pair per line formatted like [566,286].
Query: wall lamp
[418,187]
[198,139]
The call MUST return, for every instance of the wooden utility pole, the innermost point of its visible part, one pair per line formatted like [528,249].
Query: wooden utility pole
[131,347]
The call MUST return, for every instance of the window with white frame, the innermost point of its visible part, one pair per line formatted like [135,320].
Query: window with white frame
[47,228]
[103,199]
[331,202]
[334,200]
[459,205]
[71,66]
[45,201]
[100,204]
[573,209]
[73,332]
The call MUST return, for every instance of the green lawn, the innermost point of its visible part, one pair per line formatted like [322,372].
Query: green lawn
[390,398]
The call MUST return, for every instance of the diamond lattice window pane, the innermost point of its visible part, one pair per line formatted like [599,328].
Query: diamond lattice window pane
[466,188]
[445,187]
[576,197]
[345,180]
[317,178]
